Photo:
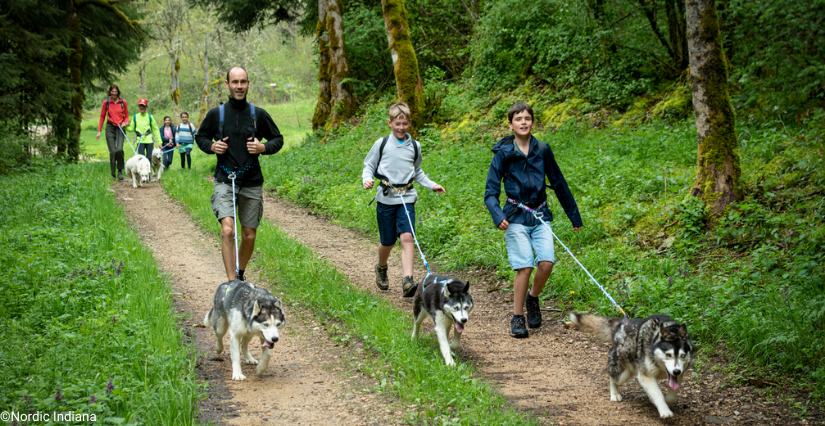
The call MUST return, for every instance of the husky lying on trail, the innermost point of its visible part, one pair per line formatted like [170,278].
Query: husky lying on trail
[448,302]
[650,349]
[157,162]
[246,311]
[138,167]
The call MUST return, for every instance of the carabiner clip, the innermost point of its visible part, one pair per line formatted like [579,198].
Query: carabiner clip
[232,176]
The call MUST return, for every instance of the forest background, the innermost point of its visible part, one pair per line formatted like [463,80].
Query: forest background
[610,84]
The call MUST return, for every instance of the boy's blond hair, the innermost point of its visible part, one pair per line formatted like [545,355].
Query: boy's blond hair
[399,109]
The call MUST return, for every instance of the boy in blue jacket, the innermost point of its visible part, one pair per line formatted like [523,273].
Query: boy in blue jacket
[522,162]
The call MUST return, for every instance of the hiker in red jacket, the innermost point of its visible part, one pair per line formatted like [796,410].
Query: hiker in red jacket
[116,114]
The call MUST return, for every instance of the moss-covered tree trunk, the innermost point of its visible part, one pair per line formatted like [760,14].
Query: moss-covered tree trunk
[322,108]
[174,64]
[405,64]
[718,169]
[206,83]
[340,91]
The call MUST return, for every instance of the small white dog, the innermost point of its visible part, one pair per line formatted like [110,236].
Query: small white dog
[157,161]
[138,167]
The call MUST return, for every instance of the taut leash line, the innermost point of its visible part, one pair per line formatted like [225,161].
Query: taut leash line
[534,213]
[412,227]
[235,223]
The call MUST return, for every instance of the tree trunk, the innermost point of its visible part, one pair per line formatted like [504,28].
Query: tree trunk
[174,63]
[405,64]
[206,83]
[322,108]
[143,79]
[718,169]
[674,9]
[341,94]
[75,59]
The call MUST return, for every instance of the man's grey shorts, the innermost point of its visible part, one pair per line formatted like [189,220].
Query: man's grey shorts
[250,202]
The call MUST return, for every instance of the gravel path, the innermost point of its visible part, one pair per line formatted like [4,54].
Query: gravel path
[308,380]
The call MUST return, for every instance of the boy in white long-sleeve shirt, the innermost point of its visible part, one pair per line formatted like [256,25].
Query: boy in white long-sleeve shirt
[396,161]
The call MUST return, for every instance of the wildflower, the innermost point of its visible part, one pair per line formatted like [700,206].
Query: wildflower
[114,319]
[572,292]
[92,399]
[58,396]
[110,387]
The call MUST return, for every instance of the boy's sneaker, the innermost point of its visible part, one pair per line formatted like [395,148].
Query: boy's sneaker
[119,175]
[517,327]
[381,280]
[408,286]
[533,311]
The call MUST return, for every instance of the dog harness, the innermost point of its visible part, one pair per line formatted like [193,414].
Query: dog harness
[383,181]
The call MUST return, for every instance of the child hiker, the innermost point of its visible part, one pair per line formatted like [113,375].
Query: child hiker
[522,162]
[185,137]
[146,128]
[167,135]
[396,161]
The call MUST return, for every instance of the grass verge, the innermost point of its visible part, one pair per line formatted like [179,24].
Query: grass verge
[88,324]
[411,370]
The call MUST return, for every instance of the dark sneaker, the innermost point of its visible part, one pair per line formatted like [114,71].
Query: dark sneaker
[533,311]
[517,327]
[408,286]
[120,175]
[381,279]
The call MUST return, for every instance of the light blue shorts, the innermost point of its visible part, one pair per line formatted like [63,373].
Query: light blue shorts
[523,240]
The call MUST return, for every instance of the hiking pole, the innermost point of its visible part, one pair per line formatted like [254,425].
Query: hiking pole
[412,227]
[235,223]
[127,139]
[535,215]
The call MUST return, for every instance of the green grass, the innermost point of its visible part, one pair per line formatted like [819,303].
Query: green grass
[294,120]
[88,323]
[752,278]
[412,370]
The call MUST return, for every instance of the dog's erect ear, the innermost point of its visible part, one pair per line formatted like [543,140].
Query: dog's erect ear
[682,331]
[467,287]
[278,304]
[256,309]
[663,332]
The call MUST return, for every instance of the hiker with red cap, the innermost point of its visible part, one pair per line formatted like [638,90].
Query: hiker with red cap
[146,128]
[116,114]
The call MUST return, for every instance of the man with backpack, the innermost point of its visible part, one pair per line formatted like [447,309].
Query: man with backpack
[233,132]
[116,114]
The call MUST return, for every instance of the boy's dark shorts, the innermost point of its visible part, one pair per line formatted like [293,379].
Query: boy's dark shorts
[392,221]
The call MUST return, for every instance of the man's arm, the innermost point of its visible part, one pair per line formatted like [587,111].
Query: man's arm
[207,132]
[269,131]
[559,185]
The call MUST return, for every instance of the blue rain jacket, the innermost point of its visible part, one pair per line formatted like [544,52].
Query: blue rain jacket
[525,183]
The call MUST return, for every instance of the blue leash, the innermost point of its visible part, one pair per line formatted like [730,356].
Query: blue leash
[401,194]
[536,215]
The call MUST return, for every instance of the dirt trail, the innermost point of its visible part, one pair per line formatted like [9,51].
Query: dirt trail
[308,380]
[557,374]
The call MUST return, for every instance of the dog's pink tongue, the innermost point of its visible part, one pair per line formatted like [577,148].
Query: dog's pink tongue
[672,382]
[266,344]
[459,328]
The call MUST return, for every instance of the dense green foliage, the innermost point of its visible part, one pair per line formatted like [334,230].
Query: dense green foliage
[753,279]
[87,320]
[35,84]
[412,370]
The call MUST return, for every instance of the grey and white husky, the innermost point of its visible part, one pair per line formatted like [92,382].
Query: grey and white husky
[448,302]
[246,311]
[650,349]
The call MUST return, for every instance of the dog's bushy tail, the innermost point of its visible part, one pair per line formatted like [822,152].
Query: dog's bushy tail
[600,327]
[207,321]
